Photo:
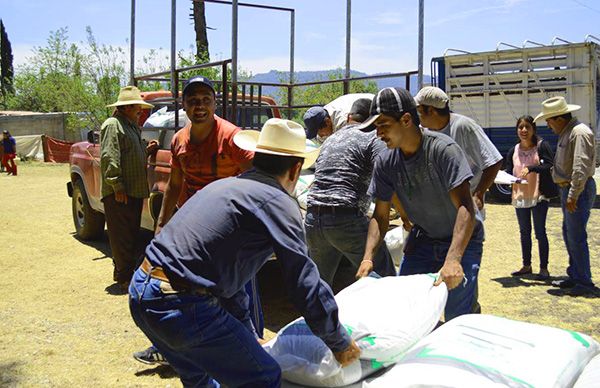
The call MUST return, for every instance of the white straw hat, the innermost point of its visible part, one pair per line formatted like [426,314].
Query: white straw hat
[278,137]
[130,95]
[555,106]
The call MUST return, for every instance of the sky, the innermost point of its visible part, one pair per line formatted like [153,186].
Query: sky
[384,32]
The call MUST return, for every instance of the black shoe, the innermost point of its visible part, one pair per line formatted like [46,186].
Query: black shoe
[566,283]
[578,290]
[543,275]
[150,356]
[525,270]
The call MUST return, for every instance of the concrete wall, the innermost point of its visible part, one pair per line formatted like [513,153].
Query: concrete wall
[49,124]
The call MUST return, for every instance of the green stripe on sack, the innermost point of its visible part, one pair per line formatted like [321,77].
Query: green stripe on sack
[370,340]
[579,338]
[426,353]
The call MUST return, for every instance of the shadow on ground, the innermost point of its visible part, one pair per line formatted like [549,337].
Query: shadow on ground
[10,373]
[523,281]
[163,371]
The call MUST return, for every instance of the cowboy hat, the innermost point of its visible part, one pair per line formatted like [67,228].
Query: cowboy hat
[130,95]
[278,137]
[555,106]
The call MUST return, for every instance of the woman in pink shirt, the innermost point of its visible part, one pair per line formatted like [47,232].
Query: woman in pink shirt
[531,160]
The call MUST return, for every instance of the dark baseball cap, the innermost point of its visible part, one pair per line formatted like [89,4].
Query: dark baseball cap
[314,119]
[198,81]
[361,109]
[388,100]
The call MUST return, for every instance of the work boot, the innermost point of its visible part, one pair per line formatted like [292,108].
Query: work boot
[525,270]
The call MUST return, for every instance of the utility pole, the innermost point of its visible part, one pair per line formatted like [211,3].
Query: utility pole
[421,22]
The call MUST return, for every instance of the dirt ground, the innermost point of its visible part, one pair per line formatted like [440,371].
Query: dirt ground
[63,324]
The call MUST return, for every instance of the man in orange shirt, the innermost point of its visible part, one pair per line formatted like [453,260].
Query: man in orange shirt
[202,152]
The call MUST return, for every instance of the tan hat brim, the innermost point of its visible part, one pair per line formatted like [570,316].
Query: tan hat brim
[132,102]
[248,140]
[570,108]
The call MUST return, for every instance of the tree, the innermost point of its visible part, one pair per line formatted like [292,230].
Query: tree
[199,17]
[6,65]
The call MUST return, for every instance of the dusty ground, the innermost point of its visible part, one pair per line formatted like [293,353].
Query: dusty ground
[61,324]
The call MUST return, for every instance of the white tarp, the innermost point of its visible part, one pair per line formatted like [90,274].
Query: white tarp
[383,328]
[30,147]
[487,351]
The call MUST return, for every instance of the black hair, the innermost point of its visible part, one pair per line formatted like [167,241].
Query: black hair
[567,116]
[276,165]
[413,113]
[529,119]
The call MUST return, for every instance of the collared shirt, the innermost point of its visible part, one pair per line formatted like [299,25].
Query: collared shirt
[481,153]
[224,234]
[575,159]
[214,158]
[123,158]
[423,181]
[344,169]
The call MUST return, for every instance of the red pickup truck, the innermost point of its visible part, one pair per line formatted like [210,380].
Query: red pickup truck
[84,186]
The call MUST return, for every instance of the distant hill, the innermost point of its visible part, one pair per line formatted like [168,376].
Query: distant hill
[274,76]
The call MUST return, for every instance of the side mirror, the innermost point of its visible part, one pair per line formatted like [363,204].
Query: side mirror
[93,137]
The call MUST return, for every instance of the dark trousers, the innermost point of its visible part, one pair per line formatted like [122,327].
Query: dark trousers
[123,224]
[524,215]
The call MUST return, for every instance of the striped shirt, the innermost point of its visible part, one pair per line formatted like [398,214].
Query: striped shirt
[122,158]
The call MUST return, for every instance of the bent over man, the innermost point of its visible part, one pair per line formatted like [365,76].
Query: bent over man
[188,295]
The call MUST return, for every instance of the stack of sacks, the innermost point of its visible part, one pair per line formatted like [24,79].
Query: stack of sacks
[384,316]
[488,351]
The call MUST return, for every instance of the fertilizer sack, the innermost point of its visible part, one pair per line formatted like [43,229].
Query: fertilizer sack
[384,316]
[164,119]
[487,351]
[590,377]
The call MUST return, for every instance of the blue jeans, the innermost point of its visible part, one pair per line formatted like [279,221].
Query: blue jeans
[524,215]
[575,234]
[428,256]
[330,237]
[204,343]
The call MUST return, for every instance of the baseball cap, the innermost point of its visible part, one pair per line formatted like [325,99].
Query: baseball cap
[197,81]
[314,119]
[432,96]
[388,100]
[360,109]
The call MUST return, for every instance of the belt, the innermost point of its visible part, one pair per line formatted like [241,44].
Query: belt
[563,184]
[333,210]
[159,274]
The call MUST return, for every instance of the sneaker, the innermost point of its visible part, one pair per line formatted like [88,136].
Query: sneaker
[543,275]
[566,283]
[150,356]
[525,270]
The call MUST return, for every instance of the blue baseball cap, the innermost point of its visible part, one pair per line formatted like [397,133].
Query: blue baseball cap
[314,119]
[198,81]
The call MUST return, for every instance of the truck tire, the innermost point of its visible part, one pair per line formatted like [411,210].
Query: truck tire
[501,193]
[89,224]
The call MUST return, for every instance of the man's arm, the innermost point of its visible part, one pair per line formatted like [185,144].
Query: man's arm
[452,273]
[583,156]
[378,226]
[406,224]
[170,197]
[110,159]
[487,180]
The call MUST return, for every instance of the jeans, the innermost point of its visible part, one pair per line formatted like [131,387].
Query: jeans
[575,234]
[427,256]
[331,236]
[524,215]
[204,343]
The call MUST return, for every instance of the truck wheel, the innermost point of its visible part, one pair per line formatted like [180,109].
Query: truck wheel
[89,224]
[501,193]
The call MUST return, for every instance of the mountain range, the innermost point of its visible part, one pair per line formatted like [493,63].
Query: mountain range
[275,76]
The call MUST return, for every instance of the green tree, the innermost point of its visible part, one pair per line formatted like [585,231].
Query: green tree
[6,65]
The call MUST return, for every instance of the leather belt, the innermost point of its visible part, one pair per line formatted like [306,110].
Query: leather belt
[333,210]
[159,274]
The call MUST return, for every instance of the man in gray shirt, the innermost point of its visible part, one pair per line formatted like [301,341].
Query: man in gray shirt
[336,222]
[430,175]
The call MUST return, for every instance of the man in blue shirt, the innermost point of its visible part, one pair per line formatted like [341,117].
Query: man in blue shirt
[188,295]
[9,147]
[430,175]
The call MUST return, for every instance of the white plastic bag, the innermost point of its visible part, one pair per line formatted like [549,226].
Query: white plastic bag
[394,240]
[384,316]
[163,119]
[488,351]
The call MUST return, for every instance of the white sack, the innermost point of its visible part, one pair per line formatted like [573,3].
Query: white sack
[394,240]
[590,377]
[487,351]
[384,316]
[163,119]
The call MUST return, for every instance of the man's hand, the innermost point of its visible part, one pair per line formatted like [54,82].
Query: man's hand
[524,173]
[451,273]
[571,204]
[366,266]
[348,355]
[406,224]
[121,197]
[478,200]
[152,147]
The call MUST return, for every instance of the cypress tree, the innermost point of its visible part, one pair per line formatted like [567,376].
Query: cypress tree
[6,62]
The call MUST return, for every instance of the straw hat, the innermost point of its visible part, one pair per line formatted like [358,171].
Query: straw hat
[278,137]
[555,106]
[130,95]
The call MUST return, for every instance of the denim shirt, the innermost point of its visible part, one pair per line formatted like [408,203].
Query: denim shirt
[223,235]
